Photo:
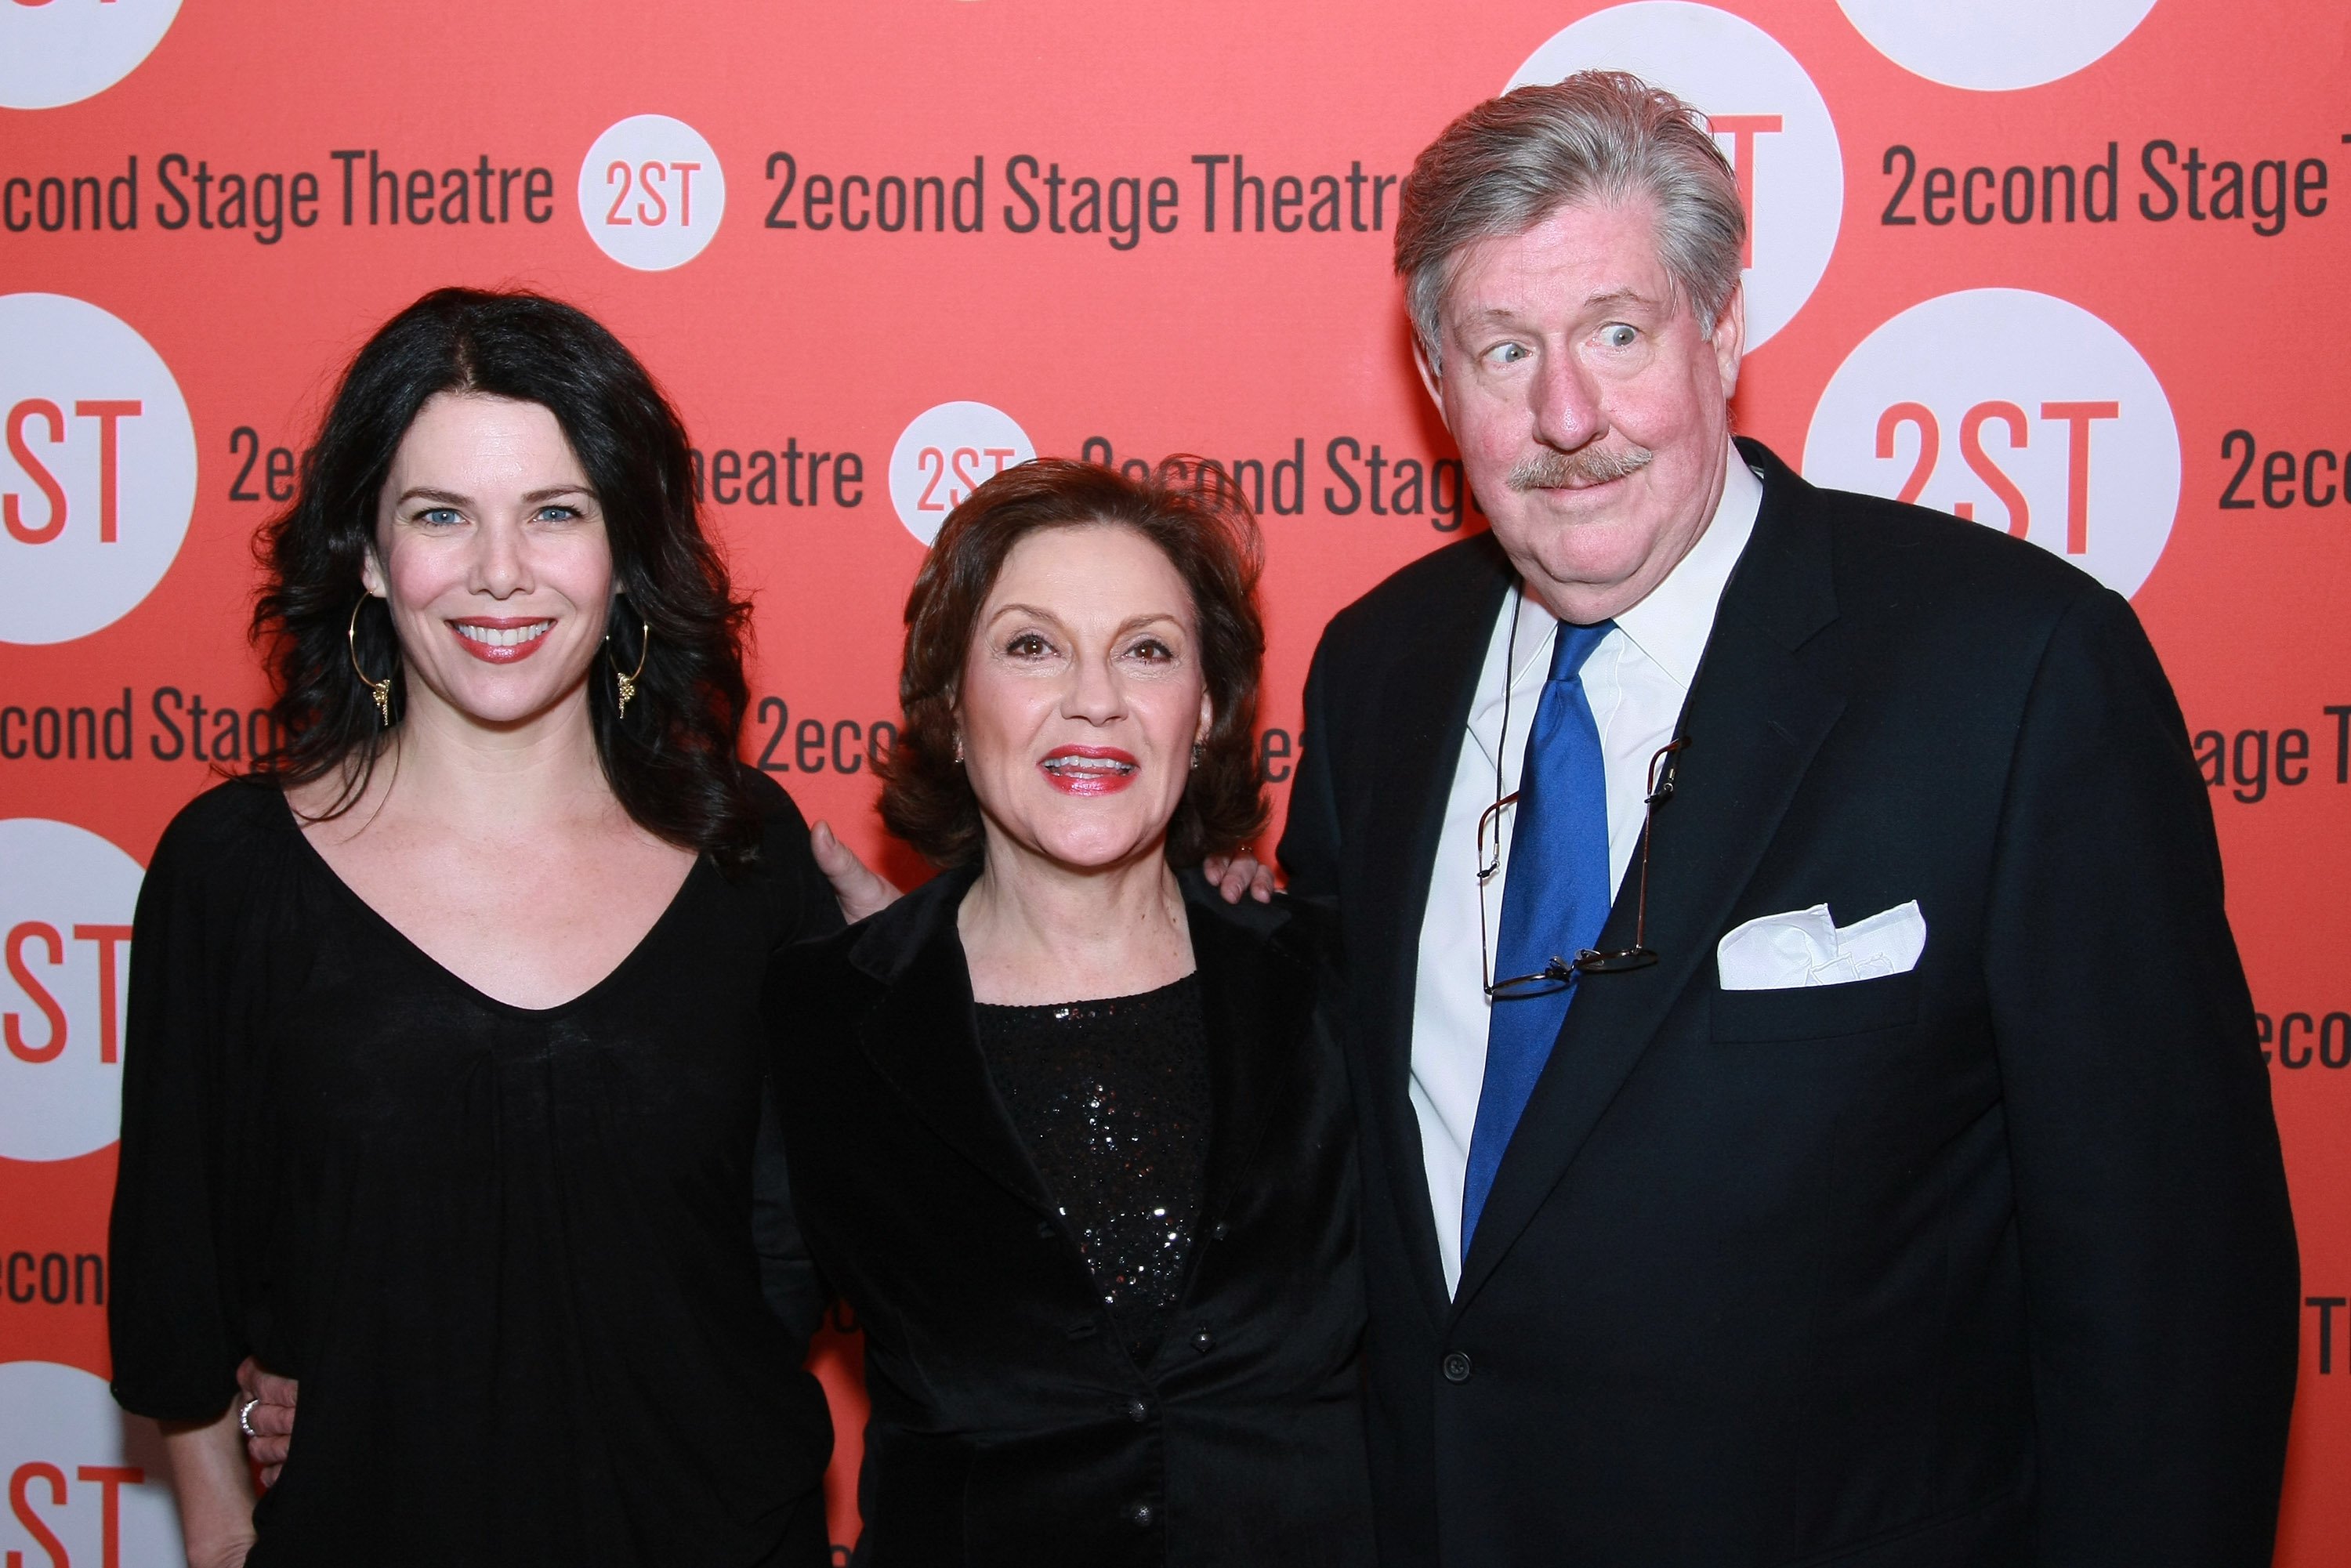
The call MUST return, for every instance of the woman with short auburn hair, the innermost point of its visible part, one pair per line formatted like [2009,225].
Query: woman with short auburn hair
[1064,1127]
[1190,512]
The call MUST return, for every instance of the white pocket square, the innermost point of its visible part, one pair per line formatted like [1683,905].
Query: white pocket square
[1807,948]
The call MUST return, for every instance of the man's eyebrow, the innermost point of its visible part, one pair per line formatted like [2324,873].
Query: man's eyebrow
[1619,297]
[1503,315]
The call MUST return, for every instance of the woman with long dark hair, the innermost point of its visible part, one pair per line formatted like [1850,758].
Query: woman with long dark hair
[443,1089]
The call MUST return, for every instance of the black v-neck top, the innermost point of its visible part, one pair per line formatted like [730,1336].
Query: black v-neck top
[509,1252]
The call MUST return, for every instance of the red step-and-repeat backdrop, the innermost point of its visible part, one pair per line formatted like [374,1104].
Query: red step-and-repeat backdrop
[2075,270]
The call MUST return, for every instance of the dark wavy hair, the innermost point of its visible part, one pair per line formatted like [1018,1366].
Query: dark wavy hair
[1196,516]
[671,761]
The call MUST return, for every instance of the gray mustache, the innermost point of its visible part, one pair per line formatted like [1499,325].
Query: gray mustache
[1549,470]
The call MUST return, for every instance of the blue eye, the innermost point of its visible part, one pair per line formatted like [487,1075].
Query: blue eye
[439,516]
[1619,336]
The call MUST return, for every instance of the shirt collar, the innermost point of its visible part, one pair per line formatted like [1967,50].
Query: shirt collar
[1673,624]
[1670,626]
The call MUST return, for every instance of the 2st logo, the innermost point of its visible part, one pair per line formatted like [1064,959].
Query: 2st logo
[2021,410]
[946,453]
[2076,417]
[99,476]
[87,1485]
[651,192]
[651,183]
[66,900]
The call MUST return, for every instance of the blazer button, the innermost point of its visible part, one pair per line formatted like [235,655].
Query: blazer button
[1136,1410]
[1456,1367]
[1220,1231]
[1203,1341]
[1142,1513]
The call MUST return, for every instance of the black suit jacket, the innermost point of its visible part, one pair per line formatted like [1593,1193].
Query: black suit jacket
[1989,1263]
[1009,1423]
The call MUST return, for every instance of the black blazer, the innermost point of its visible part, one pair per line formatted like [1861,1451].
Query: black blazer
[1986,1263]
[1010,1423]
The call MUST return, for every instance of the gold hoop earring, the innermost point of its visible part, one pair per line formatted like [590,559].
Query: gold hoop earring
[628,678]
[380,690]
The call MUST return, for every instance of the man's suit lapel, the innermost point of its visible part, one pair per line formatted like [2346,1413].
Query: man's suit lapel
[1755,718]
[923,1038]
[1429,692]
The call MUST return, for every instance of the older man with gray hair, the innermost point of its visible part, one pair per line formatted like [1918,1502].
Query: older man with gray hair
[1811,1107]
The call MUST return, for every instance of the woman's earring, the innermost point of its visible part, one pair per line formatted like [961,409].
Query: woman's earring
[628,678]
[380,690]
[1197,749]
[959,750]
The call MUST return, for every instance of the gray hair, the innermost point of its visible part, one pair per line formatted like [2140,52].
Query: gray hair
[1598,136]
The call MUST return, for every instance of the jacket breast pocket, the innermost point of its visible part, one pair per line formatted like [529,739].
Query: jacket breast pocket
[1817,1012]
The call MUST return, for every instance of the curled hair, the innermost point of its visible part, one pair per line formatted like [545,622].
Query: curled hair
[670,762]
[1196,516]
[1599,136]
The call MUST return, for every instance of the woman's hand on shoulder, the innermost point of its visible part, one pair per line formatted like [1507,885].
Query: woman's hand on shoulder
[861,890]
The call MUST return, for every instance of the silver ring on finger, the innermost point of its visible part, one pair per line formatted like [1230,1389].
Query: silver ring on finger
[244,1418]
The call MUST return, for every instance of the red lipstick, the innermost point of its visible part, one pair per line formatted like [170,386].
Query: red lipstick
[1088,769]
[501,639]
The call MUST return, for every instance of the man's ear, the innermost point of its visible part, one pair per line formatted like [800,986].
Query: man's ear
[1731,338]
[1431,379]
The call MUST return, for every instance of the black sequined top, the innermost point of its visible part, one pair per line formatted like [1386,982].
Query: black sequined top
[1111,1098]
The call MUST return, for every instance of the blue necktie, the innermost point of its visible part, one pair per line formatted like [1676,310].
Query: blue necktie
[1554,903]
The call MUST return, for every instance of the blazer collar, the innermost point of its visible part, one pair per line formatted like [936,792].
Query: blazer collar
[1257,979]
[1257,993]
[924,1037]
[1755,718]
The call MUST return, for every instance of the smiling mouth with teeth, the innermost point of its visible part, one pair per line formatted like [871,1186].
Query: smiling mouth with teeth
[1089,770]
[501,644]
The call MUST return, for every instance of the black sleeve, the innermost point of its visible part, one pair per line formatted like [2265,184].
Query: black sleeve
[2158,1250]
[1310,848]
[807,907]
[174,1334]
[796,1293]
[807,910]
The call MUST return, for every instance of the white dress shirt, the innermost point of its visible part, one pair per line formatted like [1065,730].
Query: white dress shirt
[1636,680]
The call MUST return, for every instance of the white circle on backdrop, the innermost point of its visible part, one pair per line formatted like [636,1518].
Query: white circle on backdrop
[1977,401]
[66,900]
[651,192]
[1764,109]
[68,1452]
[1995,45]
[56,52]
[945,454]
[69,373]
